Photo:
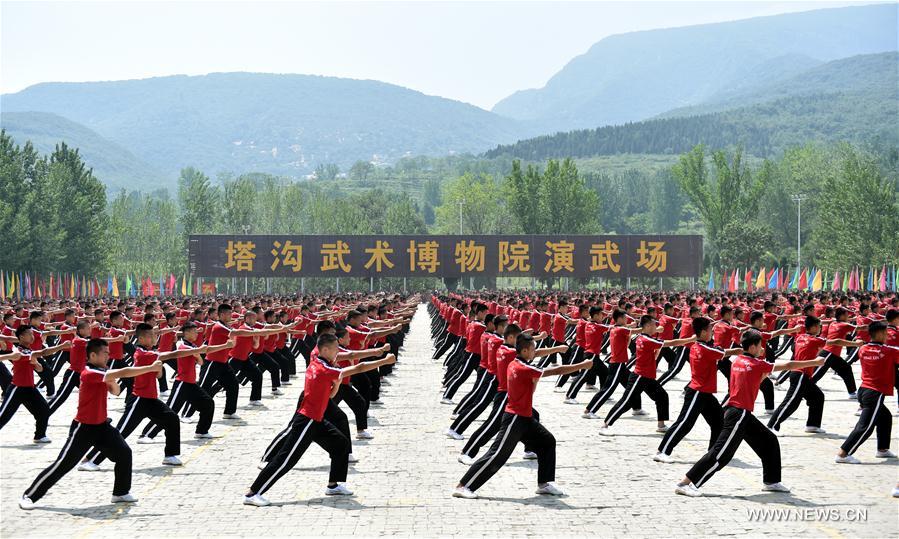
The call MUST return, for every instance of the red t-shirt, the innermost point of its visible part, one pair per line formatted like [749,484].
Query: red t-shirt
[23,370]
[807,348]
[116,349]
[837,330]
[492,345]
[78,354]
[504,356]
[580,333]
[357,338]
[92,397]
[667,324]
[746,375]
[243,346]
[187,365]
[726,335]
[166,340]
[145,384]
[218,335]
[647,348]
[704,358]
[521,383]
[618,341]
[560,324]
[473,337]
[320,376]
[594,336]
[878,366]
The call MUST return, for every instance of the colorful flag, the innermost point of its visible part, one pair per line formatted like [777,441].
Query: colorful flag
[760,281]
[803,280]
[2,285]
[748,280]
[115,287]
[882,282]
[711,279]
[774,280]
[818,281]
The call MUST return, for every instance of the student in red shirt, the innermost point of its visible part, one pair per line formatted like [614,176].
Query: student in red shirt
[77,361]
[594,337]
[25,363]
[840,328]
[185,390]
[619,339]
[699,397]
[879,362]
[471,359]
[643,379]
[807,345]
[90,428]
[484,389]
[308,424]
[146,403]
[747,372]
[519,425]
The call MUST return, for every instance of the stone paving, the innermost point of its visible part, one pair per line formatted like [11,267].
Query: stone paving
[405,476]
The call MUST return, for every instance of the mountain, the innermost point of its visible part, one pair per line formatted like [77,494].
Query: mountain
[855,99]
[114,165]
[281,124]
[634,76]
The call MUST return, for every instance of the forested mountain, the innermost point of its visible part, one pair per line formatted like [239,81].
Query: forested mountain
[281,124]
[118,167]
[854,99]
[639,75]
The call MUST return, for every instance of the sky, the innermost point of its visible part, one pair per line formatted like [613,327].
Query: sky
[476,52]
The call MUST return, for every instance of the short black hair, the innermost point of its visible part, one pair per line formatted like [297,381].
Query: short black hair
[874,327]
[142,329]
[750,338]
[512,330]
[812,321]
[645,320]
[95,346]
[22,329]
[523,342]
[326,339]
[700,323]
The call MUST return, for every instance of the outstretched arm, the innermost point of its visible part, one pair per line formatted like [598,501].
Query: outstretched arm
[566,369]
[390,359]
[792,365]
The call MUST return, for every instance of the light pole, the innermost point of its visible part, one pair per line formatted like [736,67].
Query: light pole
[246,230]
[798,200]
[461,203]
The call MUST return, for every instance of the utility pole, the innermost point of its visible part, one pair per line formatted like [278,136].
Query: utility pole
[798,200]
[461,203]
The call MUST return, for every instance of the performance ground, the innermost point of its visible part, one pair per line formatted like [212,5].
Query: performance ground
[406,474]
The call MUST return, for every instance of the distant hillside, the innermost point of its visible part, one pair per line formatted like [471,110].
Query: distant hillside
[281,124]
[639,75]
[853,99]
[113,165]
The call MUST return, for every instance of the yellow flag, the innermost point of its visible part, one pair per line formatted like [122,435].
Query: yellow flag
[115,287]
[183,286]
[817,283]
[760,280]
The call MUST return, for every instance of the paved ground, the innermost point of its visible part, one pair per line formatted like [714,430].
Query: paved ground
[406,473]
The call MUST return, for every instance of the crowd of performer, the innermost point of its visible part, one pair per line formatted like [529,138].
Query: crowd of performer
[585,341]
[602,341]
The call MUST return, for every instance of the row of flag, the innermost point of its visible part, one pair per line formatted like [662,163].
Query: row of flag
[811,279]
[26,285]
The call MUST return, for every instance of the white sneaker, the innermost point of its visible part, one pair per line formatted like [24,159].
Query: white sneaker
[662,457]
[815,430]
[687,490]
[852,396]
[606,431]
[858,412]
[88,466]
[163,395]
[663,428]
[286,383]
[352,458]
[590,388]
[776,432]
[188,420]
[638,412]
[42,440]
[570,401]
[262,464]
[145,440]
[124,498]
[768,412]
[885,454]
[848,459]
[277,391]
[558,389]
[230,416]
[172,461]
[203,436]
[364,435]
[26,503]
[464,492]
[529,455]
[466,460]
[256,403]
[588,415]
[550,489]
[339,490]
[445,400]
[895,493]
[256,500]
[454,416]
[450,433]
[775,487]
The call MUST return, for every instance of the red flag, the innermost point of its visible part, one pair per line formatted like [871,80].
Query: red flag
[748,280]
[803,280]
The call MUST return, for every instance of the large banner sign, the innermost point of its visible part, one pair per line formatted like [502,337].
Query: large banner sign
[445,256]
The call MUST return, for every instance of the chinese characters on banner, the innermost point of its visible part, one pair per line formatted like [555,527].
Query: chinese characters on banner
[445,256]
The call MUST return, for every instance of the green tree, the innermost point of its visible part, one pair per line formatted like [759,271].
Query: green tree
[556,201]
[480,199]
[238,204]
[327,172]
[743,245]
[198,201]
[730,194]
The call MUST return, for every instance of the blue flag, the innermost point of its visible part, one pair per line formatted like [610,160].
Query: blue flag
[711,279]
[775,277]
